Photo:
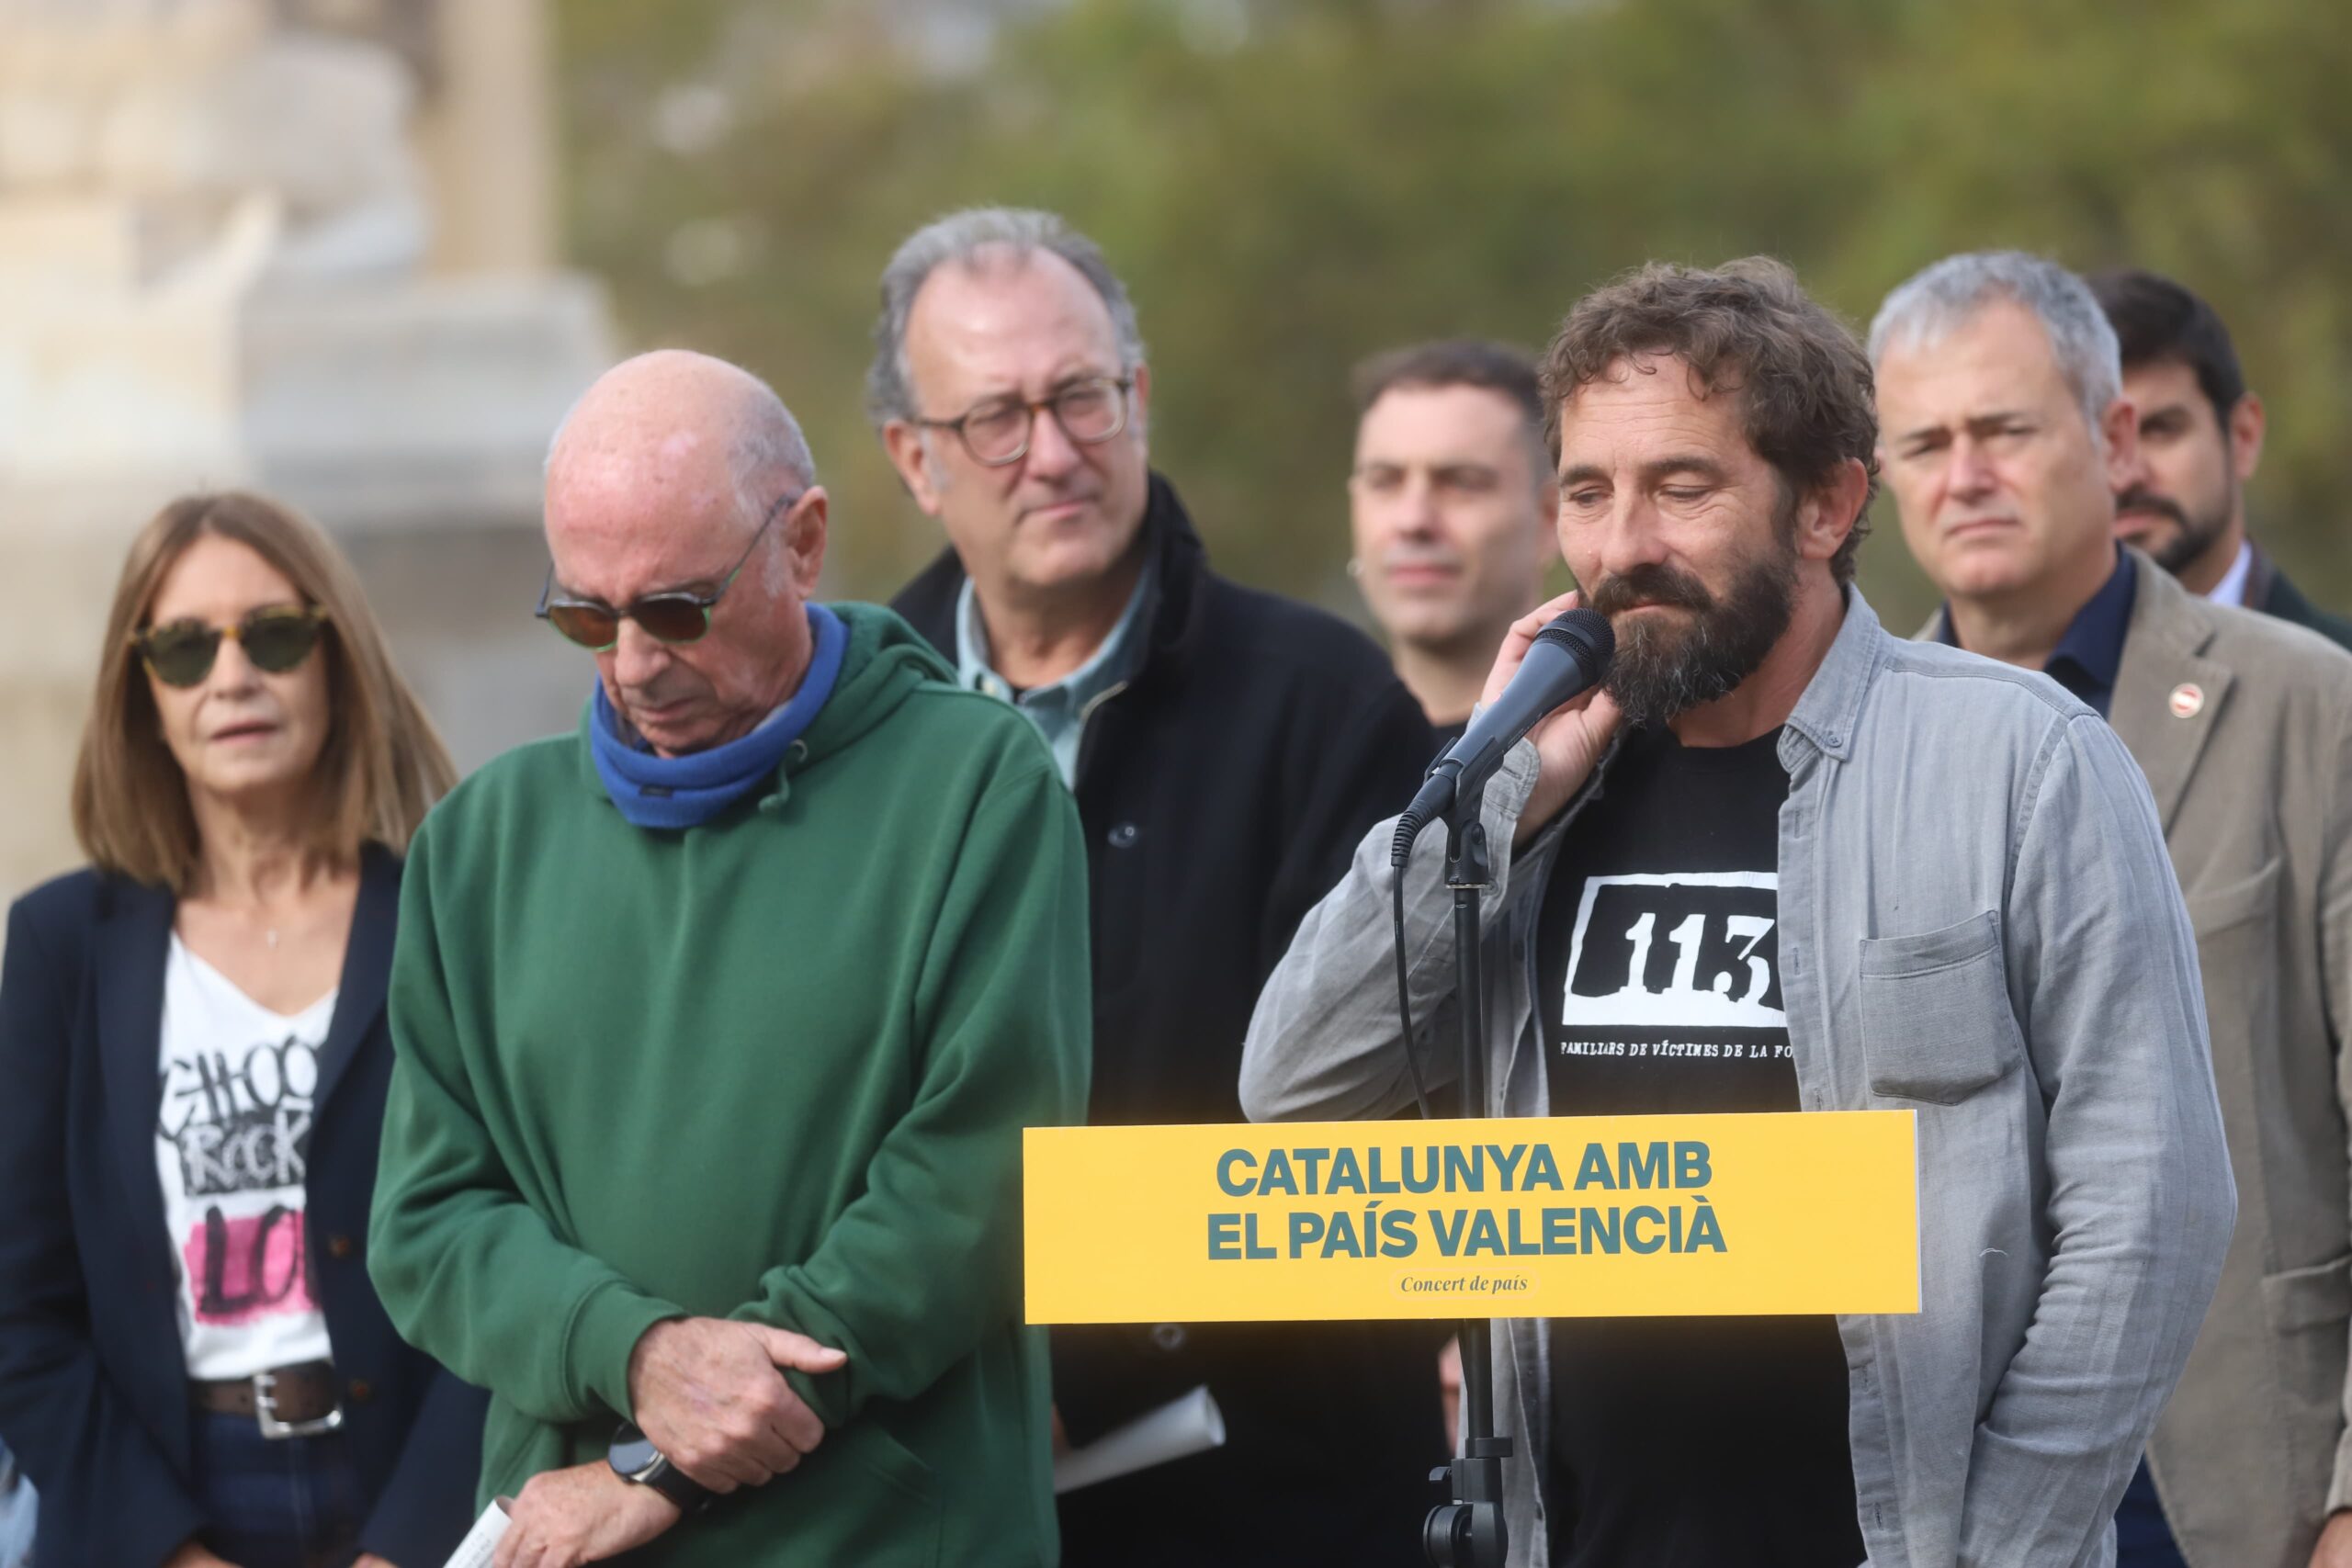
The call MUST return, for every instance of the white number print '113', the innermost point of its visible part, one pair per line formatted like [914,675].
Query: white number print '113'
[1690,950]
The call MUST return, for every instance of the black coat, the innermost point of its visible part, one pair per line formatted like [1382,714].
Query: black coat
[2268,591]
[1222,791]
[94,1395]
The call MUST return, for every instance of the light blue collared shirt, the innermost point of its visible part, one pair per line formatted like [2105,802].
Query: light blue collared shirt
[1060,711]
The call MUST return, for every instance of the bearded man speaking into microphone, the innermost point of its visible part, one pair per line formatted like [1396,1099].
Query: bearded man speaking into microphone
[1854,872]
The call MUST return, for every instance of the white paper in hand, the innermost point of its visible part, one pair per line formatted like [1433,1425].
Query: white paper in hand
[1191,1423]
[474,1552]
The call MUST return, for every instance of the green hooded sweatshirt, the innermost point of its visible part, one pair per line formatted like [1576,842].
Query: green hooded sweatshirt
[773,1068]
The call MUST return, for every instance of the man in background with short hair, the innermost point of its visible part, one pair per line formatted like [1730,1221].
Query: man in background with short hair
[1449,513]
[2006,437]
[2200,438]
[1450,506]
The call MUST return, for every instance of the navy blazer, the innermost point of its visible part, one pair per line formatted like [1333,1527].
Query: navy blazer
[94,1394]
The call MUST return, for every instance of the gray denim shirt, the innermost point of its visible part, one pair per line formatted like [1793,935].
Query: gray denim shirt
[1978,923]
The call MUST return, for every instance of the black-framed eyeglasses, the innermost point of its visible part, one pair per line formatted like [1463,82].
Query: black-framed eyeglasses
[275,637]
[996,431]
[679,615]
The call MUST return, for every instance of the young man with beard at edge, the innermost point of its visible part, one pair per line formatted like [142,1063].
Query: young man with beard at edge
[2200,438]
[1784,861]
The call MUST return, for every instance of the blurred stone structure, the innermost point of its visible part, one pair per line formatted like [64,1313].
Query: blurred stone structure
[301,246]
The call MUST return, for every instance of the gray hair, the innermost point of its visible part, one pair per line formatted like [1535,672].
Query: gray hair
[766,445]
[1950,293]
[961,238]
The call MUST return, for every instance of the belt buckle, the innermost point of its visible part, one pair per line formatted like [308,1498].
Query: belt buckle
[265,1412]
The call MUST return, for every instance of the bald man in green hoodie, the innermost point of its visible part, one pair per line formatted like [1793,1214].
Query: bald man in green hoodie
[718,1023]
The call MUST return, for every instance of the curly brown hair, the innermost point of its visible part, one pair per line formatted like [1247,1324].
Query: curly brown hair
[1749,327]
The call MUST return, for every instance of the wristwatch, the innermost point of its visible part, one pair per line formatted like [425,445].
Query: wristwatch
[635,1460]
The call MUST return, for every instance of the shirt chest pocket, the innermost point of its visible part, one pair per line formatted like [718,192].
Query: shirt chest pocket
[1936,1024]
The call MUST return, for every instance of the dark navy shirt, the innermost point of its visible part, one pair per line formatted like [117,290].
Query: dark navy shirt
[2087,657]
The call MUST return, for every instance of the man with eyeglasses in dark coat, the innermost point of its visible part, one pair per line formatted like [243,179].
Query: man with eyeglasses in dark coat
[1227,748]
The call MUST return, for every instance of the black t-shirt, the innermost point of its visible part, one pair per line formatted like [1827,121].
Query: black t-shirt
[1684,1442]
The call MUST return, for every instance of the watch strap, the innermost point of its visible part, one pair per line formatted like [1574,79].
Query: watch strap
[690,1497]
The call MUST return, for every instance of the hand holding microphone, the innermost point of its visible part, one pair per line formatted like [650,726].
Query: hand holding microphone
[1544,683]
[1570,739]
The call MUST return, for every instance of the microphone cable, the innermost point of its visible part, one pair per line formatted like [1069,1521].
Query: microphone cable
[1406,830]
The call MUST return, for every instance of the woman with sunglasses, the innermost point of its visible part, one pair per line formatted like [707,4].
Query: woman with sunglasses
[194,1368]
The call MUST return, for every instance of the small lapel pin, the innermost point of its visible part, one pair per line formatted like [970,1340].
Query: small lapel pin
[2187,700]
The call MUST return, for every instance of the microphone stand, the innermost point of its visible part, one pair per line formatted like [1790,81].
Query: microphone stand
[1469,1531]
[1571,654]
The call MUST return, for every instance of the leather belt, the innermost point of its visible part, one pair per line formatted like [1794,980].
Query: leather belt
[288,1402]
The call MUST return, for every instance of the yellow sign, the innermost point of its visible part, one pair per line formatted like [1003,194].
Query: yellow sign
[1601,1216]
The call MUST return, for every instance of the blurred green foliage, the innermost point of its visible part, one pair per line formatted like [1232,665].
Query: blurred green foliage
[1289,185]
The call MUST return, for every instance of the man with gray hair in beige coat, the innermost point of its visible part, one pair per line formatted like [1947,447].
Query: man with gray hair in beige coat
[2004,436]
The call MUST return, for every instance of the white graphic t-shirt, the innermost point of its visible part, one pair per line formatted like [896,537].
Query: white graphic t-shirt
[232,1145]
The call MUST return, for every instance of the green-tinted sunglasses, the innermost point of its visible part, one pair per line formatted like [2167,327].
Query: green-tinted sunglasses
[679,617]
[276,638]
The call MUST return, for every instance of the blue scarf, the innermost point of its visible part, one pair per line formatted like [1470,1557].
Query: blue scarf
[686,791]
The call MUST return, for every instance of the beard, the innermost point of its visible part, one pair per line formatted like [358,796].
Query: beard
[1667,665]
[2190,536]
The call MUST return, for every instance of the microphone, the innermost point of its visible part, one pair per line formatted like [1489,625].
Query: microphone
[1567,658]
